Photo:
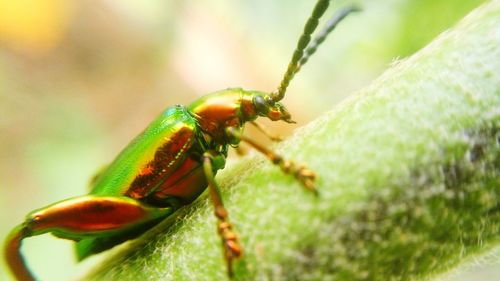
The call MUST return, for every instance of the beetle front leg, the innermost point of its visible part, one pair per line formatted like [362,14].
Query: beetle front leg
[232,248]
[305,176]
[263,129]
[78,218]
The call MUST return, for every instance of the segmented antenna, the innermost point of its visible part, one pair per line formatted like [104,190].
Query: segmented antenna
[304,50]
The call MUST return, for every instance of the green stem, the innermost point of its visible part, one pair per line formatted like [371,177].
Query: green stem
[408,177]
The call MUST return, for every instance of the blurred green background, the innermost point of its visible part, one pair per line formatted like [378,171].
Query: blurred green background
[79,79]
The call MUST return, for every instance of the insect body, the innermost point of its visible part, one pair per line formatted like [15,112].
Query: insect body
[169,165]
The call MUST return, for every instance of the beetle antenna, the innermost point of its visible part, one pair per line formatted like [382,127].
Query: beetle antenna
[332,23]
[305,49]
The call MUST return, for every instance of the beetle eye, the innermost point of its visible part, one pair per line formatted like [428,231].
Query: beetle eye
[261,105]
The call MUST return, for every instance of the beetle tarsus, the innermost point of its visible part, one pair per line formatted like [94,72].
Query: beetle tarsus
[230,243]
[305,176]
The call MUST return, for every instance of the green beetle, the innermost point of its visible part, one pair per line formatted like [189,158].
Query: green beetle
[169,165]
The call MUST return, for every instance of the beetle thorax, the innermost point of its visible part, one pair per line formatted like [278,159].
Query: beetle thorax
[233,108]
[219,110]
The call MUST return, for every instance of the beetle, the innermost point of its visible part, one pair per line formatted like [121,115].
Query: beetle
[169,165]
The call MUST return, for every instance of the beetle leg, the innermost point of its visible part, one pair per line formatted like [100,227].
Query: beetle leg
[263,129]
[13,255]
[232,248]
[240,151]
[305,176]
[78,218]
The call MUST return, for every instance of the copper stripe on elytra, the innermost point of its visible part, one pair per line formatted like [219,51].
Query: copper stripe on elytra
[156,170]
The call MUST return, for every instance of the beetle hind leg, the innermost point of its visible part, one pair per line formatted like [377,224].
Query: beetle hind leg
[77,218]
[13,255]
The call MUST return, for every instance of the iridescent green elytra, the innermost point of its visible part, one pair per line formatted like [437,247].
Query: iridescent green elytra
[169,165]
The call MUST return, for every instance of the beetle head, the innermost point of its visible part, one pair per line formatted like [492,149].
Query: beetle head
[265,106]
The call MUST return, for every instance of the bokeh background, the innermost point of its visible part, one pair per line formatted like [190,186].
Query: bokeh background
[79,79]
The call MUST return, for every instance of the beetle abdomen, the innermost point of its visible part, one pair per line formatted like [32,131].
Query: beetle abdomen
[186,184]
